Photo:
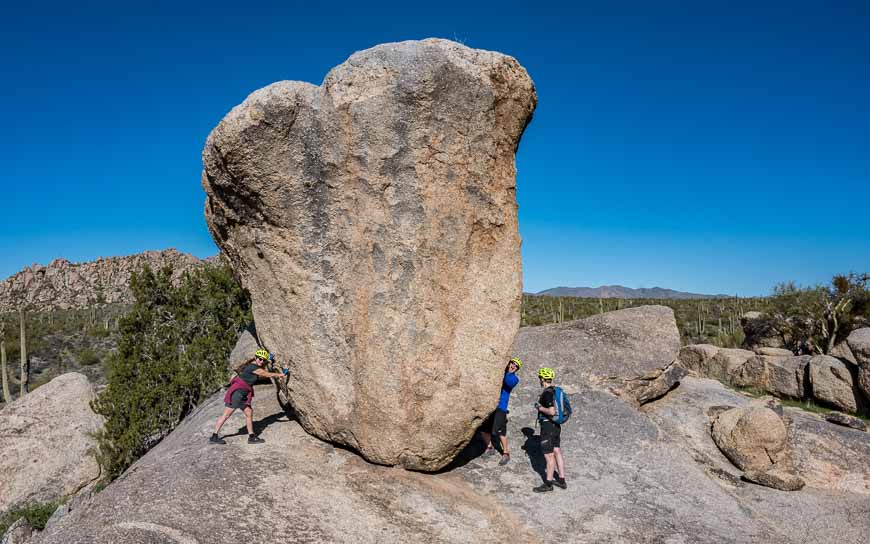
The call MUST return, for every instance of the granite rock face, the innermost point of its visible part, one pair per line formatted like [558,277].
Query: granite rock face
[46,450]
[373,219]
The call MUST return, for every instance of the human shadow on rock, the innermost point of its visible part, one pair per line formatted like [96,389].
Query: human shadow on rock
[532,447]
[261,424]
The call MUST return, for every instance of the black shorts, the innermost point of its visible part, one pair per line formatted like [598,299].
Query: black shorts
[496,423]
[550,436]
[239,400]
[499,423]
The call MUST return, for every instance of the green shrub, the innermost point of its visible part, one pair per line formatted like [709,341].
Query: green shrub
[37,515]
[87,357]
[171,355]
[814,319]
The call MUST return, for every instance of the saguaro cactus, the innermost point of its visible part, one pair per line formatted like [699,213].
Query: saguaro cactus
[23,354]
[7,396]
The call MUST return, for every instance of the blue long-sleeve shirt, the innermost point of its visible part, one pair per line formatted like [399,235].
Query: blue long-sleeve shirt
[510,381]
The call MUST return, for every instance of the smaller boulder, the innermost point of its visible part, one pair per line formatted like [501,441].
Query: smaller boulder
[728,362]
[859,344]
[776,479]
[752,437]
[48,442]
[832,382]
[753,373]
[843,352]
[839,418]
[787,377]
[696,356]
[709,361]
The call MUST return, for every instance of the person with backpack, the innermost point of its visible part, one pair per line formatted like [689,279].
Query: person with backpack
[497,421]
[241,393]
[553,410]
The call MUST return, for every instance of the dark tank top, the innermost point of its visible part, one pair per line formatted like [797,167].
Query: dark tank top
[247,374]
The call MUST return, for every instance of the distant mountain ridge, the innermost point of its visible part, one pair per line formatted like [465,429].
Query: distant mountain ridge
[65,285]
[618,291]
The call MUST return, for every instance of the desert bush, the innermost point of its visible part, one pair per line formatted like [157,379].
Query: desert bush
[171,355]
[814,319]
[36,513]
[87,357]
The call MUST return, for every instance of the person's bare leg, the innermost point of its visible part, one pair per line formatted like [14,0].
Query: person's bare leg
[550,465]
[560,463]
[249,419]
[504,444]
[487,439]
[223,419]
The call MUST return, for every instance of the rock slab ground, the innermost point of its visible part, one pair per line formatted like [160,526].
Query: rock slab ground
[46,444]
[629,481]
[373,219]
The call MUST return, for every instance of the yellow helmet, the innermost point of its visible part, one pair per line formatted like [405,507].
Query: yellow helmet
[264,355]
[516,361]
[546,374]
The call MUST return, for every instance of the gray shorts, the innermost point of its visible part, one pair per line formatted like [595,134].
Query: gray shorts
[239,400]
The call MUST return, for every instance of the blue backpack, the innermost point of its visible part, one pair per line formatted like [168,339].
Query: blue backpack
[563,406]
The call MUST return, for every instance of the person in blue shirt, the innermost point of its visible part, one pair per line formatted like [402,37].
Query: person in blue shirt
[497,421]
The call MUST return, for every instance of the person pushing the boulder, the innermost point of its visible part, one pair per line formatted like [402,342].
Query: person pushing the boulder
[241,393]
[497,421]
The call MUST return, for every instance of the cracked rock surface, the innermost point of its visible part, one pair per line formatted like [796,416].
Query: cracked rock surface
[373,219]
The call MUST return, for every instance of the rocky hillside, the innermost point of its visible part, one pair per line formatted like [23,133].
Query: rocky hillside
[65,285]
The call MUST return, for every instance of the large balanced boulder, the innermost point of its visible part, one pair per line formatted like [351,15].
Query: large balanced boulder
[832,382]
[373,219]
[46,450]
[859,345]
[752,437]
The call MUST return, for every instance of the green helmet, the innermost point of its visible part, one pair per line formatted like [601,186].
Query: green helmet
[517,361]
[546,373]
[264,355]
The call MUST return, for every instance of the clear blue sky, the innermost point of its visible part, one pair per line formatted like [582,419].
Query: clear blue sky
[708,149]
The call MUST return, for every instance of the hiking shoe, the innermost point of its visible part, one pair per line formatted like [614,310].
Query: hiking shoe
[253,439]
[489,451]
[543,488]
[505,459]
[560,483]
[215,439]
